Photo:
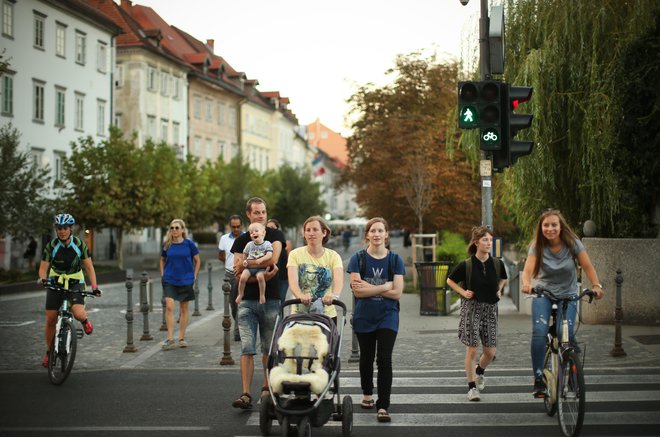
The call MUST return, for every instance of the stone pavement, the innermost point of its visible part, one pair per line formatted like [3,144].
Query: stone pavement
[424,342]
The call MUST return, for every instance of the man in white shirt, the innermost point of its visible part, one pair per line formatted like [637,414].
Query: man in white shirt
[227,257]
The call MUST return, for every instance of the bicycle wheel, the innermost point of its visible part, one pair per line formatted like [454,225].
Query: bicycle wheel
[62,354]
[571,396]
[550,401]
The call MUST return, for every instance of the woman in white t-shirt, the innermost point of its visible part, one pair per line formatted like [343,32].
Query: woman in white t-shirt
[314,270]
[551,261]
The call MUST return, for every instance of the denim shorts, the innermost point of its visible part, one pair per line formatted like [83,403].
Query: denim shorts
[254,317]
[182,293]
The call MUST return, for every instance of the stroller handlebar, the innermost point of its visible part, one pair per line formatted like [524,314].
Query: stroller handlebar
[298,301]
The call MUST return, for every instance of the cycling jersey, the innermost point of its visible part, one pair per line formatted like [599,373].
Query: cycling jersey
[66,260]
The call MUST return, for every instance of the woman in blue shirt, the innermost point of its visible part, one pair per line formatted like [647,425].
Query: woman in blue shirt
[179,264]
[377,283]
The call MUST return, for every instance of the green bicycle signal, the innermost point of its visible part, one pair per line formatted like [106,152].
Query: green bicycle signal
[490,139]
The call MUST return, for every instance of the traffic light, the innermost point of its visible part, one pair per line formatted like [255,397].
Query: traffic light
[517,122]
[511,123]
[467,105]
[479,106]
[489,106]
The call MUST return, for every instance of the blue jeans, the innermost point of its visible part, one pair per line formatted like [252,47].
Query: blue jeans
[541,309]
[254,317]
[284,287]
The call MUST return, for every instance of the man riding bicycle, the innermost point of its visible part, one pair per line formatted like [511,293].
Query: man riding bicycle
[61,263]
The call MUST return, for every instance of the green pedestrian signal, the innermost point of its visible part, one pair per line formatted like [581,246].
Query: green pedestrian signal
[468,117]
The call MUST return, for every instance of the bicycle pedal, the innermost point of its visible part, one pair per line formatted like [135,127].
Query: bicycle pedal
[79,333]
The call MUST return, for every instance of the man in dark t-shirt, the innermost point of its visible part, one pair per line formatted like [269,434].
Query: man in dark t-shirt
[255,318]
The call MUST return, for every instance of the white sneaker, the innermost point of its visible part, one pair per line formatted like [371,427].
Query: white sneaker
[480,381]
[473,395]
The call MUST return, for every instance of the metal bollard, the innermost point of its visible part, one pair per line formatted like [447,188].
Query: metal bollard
[130,347]
[196,312]
[144,307]
[355,348]
[617,350]
[209,307]
[163,326]
[150,294]
[226,359]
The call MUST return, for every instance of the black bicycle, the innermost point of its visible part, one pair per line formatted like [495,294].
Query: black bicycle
[562,368]
[63,347]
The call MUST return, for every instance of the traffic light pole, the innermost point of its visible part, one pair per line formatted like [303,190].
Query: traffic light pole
[486,167]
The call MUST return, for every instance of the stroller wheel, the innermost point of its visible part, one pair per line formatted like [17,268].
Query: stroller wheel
[304,427]
[284,426]
[265,417]
[347,416]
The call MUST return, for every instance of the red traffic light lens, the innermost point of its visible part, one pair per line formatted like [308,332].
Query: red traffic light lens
[468,92]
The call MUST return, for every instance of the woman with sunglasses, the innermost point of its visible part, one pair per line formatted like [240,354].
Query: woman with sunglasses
[552,259]
[480,285]
[179,265]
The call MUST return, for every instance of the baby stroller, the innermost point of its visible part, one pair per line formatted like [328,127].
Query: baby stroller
[303,374]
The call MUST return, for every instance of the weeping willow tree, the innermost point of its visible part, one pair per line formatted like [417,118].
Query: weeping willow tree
[576,55]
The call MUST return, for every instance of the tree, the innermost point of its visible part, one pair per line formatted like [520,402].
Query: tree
[296,196]
[202,194]
[25,209]
[399,162]
[577,56]
[117,185]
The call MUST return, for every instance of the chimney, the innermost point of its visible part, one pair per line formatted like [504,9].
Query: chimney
[209,43]
[126,4]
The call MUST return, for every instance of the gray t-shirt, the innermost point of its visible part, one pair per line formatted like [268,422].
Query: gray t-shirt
[557,272]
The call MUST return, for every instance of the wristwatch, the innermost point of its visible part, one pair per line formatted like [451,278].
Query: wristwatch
[245,263]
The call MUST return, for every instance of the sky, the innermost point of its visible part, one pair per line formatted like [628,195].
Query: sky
[318,52]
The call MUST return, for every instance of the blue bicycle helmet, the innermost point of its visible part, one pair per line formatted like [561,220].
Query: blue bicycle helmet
[64,220]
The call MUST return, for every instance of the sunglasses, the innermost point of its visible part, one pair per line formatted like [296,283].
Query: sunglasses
[174,228]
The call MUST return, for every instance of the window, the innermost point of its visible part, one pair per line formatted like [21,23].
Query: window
[151,78]
[80,111]
[207,151]
[209,110]
[38,100]
[151,126]
[221,114]
[232,117]
[100,117]
[81,47]
[176,131]
[197,107]
[37,158]
[8,19]
[164,130]
[119,75]
[221,150]
[118,120]
[59,165]
[177,88]
[60,40]
[102,57]
[39,23]
[164,82]
[7,95]
[198,146]
[60,100]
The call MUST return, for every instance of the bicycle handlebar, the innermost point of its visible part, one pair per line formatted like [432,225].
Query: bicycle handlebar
[540,291]
[59,288]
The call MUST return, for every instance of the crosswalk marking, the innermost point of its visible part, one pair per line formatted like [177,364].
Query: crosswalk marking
[490,419]
[618,387]
[503,381]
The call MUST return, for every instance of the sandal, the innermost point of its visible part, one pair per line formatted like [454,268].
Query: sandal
[367,404]
[383,415]
[244,402]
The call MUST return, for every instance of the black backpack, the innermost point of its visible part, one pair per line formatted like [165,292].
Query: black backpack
[362,263]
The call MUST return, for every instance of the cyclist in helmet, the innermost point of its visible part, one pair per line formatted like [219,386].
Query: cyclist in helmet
[62,262]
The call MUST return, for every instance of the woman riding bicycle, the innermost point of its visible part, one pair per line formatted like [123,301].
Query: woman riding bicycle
[62,262]
[551,261]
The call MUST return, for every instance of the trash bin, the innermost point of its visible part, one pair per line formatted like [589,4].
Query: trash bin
[432,280]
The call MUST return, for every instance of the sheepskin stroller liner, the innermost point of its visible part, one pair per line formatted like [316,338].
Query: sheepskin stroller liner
[304,361]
